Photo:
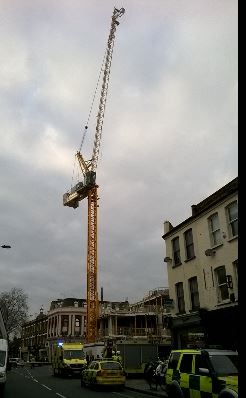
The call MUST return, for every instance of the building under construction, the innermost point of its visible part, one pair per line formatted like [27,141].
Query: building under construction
[145,320]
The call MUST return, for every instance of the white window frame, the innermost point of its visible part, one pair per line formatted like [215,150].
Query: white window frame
[180,298]
[219,285]
[188,244]
[176,239]
[214,230]
[231,221]
[193,306]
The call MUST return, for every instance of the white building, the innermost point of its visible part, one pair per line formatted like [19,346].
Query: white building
[66,321]
[202,265]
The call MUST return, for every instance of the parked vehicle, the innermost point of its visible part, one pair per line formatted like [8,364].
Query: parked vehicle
[3,363]
[103,373]
[206,372]
[94,350]
[20,362]
[68,358]
[16,362]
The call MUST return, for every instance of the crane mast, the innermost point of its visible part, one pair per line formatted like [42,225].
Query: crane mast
[88,188]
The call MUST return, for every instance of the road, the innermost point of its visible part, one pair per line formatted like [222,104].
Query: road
[40,383]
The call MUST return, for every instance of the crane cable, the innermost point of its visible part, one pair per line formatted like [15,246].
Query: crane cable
[105,67]
[93,100]
[89,116]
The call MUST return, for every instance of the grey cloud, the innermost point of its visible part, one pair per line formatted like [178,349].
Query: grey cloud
[169,136]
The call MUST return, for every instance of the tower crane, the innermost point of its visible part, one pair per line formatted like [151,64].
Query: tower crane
[88,189]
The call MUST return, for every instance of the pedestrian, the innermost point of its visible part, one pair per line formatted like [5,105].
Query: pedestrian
[149,371]
[117,357]
[160,374]
[32,363]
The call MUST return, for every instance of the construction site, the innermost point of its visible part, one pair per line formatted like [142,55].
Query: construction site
[140,331]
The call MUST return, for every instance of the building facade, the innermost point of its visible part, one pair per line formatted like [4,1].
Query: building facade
[34,338]
[142,321]
[66,321]
[202,265]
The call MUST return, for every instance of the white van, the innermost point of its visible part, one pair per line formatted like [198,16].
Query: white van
[3,362]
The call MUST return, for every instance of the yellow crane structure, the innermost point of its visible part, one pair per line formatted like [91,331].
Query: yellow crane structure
[88,188]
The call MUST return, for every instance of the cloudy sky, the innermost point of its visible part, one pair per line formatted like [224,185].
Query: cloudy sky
[169,136]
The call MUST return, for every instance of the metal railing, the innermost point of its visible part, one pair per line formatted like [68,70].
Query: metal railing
[131,332]
[143,309]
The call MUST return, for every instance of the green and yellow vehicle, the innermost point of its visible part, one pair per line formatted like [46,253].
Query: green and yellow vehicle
[68,359]
[203,373]
[103,372]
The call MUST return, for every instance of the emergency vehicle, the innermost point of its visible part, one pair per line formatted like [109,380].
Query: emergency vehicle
[202,373]
[68,359]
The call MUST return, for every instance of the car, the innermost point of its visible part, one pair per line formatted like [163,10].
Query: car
[104,372]
[202,373]
[16,362]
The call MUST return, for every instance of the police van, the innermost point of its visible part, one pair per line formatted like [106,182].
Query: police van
[202,373]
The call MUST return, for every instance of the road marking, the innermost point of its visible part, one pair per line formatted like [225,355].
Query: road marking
[29,373]
[123,395]
[62,396]
[46,387]
[27,376]
[35,380]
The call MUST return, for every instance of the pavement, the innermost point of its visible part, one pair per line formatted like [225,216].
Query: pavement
[140,385]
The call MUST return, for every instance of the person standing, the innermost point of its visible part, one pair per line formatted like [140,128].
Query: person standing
[160,374]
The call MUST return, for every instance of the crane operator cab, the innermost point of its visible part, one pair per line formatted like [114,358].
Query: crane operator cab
[79,191]
[90,178]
